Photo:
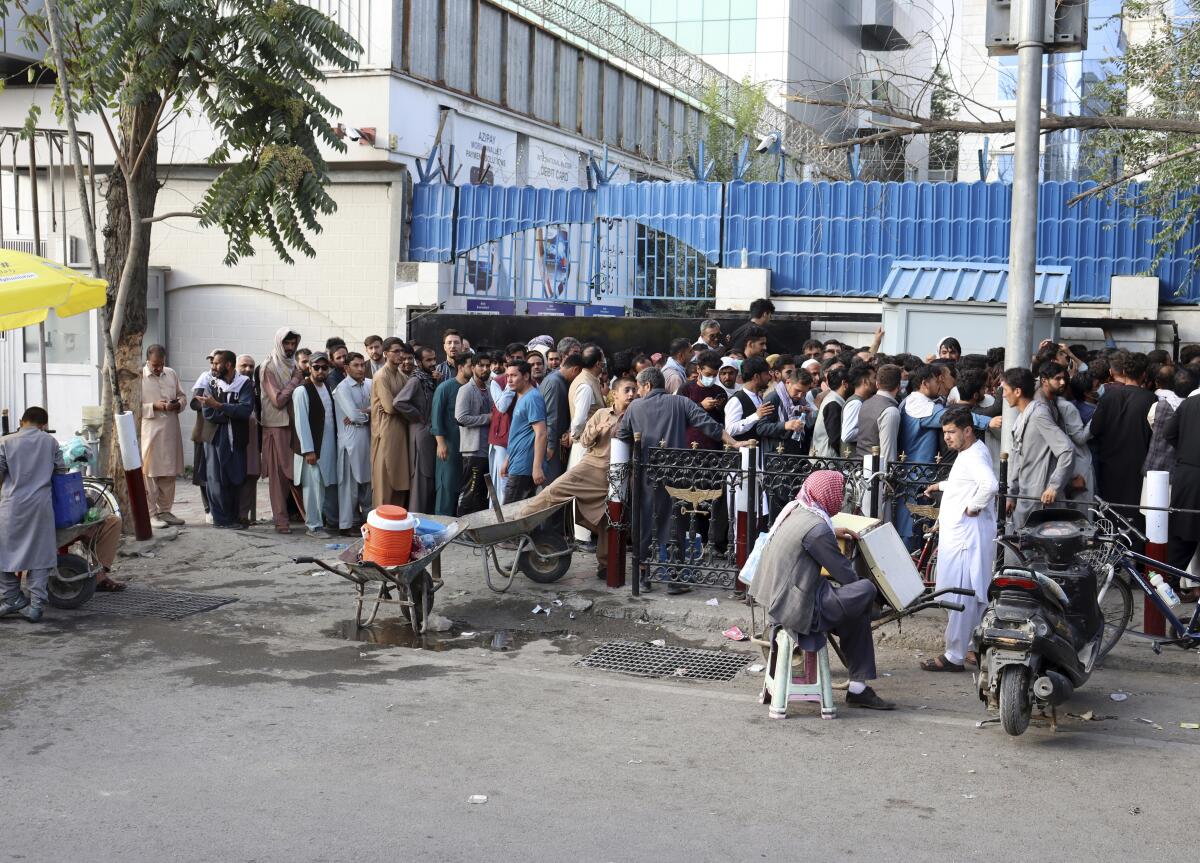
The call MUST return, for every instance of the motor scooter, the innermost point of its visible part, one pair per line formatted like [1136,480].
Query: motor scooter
[1043,629]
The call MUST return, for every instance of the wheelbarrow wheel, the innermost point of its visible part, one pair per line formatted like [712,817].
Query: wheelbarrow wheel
[545,562]
[74,583]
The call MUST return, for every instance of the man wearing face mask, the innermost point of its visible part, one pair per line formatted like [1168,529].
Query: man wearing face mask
[711,397]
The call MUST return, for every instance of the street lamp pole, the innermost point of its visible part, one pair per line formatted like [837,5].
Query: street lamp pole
[1023,236]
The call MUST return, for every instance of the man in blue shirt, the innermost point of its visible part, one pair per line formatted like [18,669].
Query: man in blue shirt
[525,465]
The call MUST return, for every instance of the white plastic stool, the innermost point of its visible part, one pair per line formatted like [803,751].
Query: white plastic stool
[780,688]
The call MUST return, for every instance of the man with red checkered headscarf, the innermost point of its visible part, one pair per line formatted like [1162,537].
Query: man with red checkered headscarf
[789,584]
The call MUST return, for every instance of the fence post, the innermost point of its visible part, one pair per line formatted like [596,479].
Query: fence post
[753,500]
[1002,495]
[618,493]
[635,520]
[873,467]
[1158,494]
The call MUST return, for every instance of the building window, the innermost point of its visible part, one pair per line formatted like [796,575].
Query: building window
[716,37]
[1004,167]
[1006,79]
[743,36]
[714,9]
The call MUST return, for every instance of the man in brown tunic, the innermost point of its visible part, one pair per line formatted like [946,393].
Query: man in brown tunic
[390,475]
[162,441]
[281,374]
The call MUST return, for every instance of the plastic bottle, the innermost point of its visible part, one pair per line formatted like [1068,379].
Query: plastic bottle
[1164,590]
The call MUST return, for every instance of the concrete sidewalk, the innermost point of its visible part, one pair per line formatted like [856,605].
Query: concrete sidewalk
[199,551]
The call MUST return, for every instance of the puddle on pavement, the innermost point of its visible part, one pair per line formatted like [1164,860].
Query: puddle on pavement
[398,633]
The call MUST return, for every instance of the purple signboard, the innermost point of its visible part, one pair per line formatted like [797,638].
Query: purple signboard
[566,310]
[594,311]
[492,307]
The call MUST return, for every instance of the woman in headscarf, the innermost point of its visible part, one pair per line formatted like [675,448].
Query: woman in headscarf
[789,584]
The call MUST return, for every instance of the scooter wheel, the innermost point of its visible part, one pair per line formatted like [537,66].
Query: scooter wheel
[76,591]
[1016,706]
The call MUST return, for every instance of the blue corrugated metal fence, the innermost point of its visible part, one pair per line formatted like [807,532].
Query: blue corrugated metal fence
[828,239]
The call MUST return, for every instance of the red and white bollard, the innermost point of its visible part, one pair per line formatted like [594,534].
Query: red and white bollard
[1158,495]
[131,459]
[618,493]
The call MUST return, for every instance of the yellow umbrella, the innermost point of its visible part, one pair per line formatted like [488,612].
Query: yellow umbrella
[31,286]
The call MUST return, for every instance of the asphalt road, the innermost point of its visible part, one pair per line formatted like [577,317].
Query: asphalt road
[255,733]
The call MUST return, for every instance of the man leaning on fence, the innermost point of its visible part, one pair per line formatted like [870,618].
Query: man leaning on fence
[663,419]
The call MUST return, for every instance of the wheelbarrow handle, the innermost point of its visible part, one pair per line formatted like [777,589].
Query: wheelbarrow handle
[305,560]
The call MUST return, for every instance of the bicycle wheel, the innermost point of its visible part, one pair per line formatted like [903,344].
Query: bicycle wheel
[1116,607]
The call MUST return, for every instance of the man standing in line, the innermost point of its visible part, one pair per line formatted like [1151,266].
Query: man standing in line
[524,465]
[447,472]
[281,374]
[452,344]
[227,404]
[879,417]
[1043,459]
[337,350]
[352,400]
[162,441]
[827,433]
[746,408]
[1120,433]
[316,443]
[585,395]
[675,369]
[415,403]
[28,460]
[473,413]
[503,404]
[967,523]
[862,383]
[710,336]
[390,478]
[248,494]
[374,349]
[555,388]
[760,315]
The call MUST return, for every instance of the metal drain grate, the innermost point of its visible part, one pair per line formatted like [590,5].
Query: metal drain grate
[150,602]
[650,660]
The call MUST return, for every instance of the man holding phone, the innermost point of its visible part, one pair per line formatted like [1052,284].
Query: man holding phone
[162,441]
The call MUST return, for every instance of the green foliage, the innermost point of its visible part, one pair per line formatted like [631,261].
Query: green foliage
[729,116]
[1158,76]
[944,104]
[249,68]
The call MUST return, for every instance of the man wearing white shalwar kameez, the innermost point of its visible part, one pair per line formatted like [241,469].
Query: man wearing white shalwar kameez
[967,526]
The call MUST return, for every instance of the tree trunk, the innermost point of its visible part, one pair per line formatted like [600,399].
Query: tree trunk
[127,260]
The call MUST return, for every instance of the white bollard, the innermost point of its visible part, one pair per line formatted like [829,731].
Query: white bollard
[1158,494]
[131,453]
[619,453]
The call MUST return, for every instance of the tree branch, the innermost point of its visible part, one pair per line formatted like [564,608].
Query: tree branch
[1192,150]
[177,214]
[1049,123]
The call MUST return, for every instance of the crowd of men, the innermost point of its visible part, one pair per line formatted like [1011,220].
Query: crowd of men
[335,431]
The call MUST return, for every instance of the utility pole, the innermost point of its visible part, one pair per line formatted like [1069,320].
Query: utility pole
[1023,237]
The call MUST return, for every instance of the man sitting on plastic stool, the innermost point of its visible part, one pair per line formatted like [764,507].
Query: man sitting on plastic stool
[789,585]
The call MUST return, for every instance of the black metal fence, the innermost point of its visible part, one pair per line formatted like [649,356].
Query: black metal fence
[694,513]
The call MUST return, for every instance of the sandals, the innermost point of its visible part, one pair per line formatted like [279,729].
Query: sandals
[940,663]
[107,585]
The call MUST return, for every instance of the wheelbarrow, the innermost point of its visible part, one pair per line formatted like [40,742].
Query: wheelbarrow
[413,582]
[543,553]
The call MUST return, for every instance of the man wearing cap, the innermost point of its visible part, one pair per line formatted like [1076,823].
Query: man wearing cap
[316,442]
[162,443]
[281,374]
